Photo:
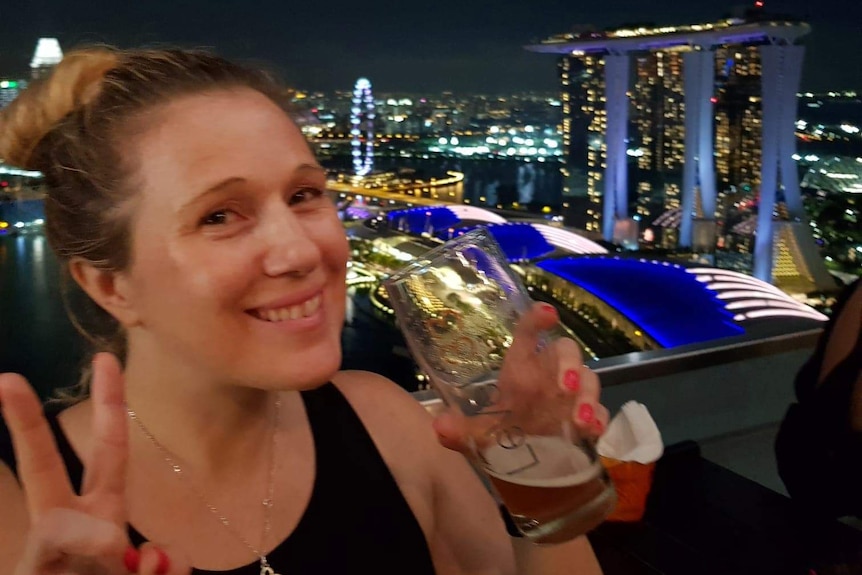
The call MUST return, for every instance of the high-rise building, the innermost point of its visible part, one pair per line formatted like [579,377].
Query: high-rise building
[738,117]
[596,145]
[47,55]
[656,142]
[657,134]
[583,126]
[712,100]
[659,117]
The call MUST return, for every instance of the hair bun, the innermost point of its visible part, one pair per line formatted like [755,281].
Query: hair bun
[73,83]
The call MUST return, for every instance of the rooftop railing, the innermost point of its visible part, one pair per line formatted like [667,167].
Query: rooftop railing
[703,391]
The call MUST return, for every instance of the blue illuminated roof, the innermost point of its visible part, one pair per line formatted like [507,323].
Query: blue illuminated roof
[520,242]
[663,299]
[423,220]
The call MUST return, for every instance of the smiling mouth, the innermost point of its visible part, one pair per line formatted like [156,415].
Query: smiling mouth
[292,312]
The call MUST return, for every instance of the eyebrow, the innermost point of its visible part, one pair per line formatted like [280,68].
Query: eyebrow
[311,167]
[227,182]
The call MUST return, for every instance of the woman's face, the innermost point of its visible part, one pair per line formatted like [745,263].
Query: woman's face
[238,256]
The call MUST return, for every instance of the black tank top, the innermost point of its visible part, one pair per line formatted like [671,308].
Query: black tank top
[357,520]
[818,453]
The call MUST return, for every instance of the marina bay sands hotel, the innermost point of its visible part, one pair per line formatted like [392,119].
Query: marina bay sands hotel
[714,108]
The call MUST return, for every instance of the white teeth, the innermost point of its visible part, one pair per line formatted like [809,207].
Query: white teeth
[310,306]
[297,311]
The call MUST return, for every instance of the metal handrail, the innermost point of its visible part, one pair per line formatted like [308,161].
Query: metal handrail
[643,365]
[638,366]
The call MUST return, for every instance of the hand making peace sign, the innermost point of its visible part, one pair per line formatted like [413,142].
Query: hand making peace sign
[73,534]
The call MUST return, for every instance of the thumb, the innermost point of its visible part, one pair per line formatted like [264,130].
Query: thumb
[463,434]
[163,560]
[450,428]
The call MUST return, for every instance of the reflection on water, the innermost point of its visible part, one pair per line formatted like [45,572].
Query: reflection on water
[38,340]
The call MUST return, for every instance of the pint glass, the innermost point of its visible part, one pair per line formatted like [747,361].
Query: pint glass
[457,306]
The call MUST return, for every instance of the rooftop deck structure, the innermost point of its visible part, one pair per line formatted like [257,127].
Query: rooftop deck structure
[731,31]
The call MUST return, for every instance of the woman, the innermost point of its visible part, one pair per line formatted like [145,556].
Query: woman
[819,444]
[187,206]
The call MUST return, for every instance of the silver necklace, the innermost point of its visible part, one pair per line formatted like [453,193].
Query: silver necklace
[170,458]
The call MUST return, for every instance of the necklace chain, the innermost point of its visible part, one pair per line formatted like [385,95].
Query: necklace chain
[171,459]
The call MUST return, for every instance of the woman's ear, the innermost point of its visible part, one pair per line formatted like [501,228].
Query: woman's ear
[109,289]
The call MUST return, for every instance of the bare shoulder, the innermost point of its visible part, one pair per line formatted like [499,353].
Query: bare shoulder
[14,519]
[398,424]
[379,398]
[461,521]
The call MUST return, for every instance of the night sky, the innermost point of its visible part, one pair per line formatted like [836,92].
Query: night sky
[468,46]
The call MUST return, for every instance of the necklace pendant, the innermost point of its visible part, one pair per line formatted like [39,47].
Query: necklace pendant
[265,569]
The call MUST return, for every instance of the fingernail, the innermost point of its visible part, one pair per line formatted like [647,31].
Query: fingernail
[164,564]
[132,559]
[586,413]
[572,380]
[549,309]
[600,427]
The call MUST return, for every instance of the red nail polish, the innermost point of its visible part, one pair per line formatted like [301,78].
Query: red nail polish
[600,427]
[548,308]
[572,380]
[164,564]
[586,413]
[132,559]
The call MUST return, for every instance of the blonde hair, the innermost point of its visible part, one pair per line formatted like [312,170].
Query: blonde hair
[74,83]
[77,127]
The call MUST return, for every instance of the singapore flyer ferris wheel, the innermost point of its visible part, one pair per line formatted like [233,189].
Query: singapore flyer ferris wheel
[362,120]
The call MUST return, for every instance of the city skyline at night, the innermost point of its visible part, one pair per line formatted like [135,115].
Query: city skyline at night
[641,172]
[469,48]
[634,220]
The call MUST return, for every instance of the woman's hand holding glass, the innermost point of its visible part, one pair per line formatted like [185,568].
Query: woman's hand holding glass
[526,409]
[548,377]
[543,386]
[69,533]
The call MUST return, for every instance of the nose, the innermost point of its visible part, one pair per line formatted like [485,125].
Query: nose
[290,248]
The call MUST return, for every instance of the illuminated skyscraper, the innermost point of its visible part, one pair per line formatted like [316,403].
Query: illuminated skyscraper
[738,117]
[776,40]
[47,55]
[659,115]
[659,100]
[584,124]
[596,145]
